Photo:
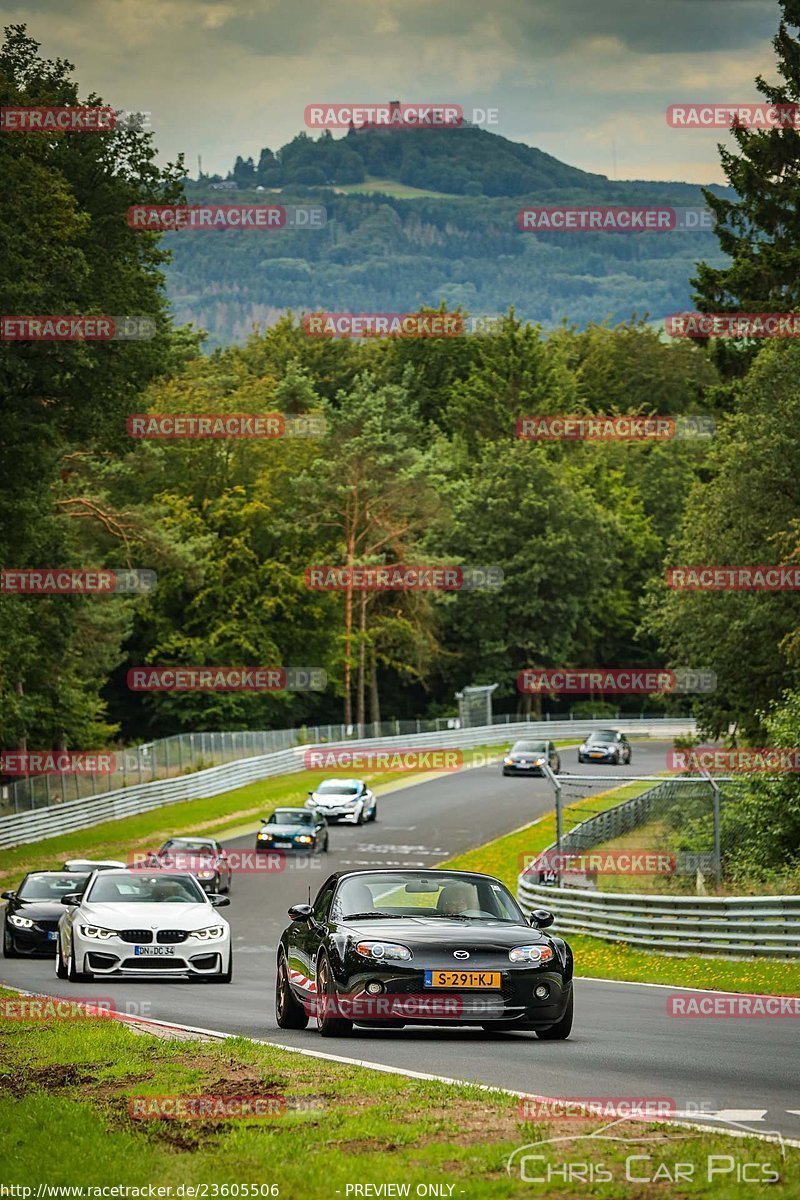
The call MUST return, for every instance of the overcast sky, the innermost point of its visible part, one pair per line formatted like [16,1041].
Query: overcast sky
[586,80]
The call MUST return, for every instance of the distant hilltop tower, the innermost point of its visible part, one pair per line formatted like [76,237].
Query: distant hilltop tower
[395,109]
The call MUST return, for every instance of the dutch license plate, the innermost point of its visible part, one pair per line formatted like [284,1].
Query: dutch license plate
[462,979]
[282,845]
[152,951]
[596,754]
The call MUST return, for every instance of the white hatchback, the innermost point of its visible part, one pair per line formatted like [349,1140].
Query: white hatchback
[139,923]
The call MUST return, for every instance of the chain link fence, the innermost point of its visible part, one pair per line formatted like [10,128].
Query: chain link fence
[167,758]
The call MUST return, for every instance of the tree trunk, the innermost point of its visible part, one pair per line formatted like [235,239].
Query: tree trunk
[361,715]
[374,698]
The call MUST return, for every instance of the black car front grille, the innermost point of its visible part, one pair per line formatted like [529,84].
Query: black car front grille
[154,964]
[171,936]
[46,926]
[136,935]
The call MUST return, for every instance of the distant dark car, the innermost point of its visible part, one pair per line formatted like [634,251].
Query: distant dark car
[393,948]
[527,757]
[30,924]
[302,829]
[344,800]
[204,857]
[605,745]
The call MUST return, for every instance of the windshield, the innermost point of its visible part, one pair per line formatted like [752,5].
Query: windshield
[51,887]
[291,816]
[602,735]
[190,844]
[530,747]
[332,788]
[401,894]
[146,889]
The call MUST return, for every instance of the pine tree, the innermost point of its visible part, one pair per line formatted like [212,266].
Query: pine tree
[761,229]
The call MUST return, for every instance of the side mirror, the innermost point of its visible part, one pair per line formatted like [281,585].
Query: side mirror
[263,820]
[540,918]
[311,793]
[71,898]
[7,895]
[301,912]
[218,901]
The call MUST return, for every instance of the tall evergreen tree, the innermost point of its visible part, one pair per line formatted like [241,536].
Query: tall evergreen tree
[761,229]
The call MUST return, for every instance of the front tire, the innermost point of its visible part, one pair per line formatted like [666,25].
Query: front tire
[226,976]
[73,974]
[8,945]
[360,820]
[61,966]
[327,1025]
[289,1013]
[562,1029]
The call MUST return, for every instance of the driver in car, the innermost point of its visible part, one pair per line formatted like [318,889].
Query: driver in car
[455,899]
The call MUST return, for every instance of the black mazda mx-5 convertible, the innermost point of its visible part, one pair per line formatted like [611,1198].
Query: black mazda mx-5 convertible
[392,948]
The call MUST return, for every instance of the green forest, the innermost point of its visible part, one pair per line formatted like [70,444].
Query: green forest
[417,462]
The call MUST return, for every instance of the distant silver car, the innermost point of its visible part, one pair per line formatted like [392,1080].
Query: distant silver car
[87,865]
[344,800]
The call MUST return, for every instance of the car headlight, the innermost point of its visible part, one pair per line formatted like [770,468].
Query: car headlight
[206,874]
[264,837]
[509,762]
[538,762]
[208,935]
[383,951]
[304,839]
[97,931]
[531,954]
[21,922]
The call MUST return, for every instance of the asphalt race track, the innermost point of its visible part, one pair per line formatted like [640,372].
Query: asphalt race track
[623,1043]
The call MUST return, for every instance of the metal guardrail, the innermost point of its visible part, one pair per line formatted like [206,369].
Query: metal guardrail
[168,757]
[40,823]
[727,926]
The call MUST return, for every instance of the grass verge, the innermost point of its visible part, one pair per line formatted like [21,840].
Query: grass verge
[66,1090]
[595,957]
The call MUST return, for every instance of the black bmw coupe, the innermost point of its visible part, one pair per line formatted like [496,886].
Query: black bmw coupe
[391,948]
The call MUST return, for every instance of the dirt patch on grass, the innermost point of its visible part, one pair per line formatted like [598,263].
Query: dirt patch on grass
[50,1078]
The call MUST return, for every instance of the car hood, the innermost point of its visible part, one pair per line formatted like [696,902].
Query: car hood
[37,910]
[526,754]
[599,745]
[151,916]
[287,830]
[336,801]
[438,931]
